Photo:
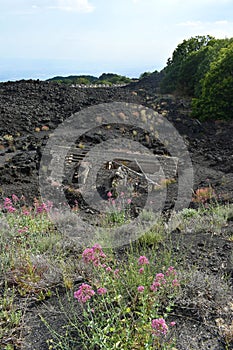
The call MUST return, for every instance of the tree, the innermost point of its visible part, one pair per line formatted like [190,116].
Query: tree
[181,69]
[145,74]
[216,99]
[188,47]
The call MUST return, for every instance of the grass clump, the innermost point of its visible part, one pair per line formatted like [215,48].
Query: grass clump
[209,218]
[10,319]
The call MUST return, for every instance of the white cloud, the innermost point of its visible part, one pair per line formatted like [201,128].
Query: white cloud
[190,24]
[74,6]
[224,22]
[195,2]
[218,29]
[199,23]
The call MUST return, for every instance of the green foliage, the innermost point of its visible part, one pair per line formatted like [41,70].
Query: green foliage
[201,67]
[105,78]
[121,305]
[216,98]
[32,253]
[75,79]
[144,75]
[10,319]
[118,210]
[113,78]
[179,74]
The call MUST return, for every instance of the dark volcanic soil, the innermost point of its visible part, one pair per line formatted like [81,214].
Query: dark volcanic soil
[31,110]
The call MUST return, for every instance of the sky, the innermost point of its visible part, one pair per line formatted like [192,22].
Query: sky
[44,38]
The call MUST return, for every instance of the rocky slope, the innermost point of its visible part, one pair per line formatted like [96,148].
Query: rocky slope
[31,110]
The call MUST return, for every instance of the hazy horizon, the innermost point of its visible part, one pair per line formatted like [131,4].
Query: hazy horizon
[51,68]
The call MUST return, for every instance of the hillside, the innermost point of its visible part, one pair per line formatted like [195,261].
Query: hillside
[30,113]
[138,150]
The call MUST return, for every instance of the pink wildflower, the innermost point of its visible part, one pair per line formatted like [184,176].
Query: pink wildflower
[154,287]
[94,255]
[175,283]
[22,230]
[43,208]
[129,201]
[97,249]
[160,278]
[11,209]
[140,289]
[15,198]
[171,271]
[143,260]
[158,281]
[160,326]
[172,324]
[109,194]
[7,202]
[141,270]
[84,293]
[26,212]
[101,291]
[87,255]
[108,269]
[116,272]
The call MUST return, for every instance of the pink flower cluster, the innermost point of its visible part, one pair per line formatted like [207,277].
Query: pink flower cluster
[113,202]
[175,283]
[101,291]
[116,272]
[141,289]
[94,255]
[143,260]
[43,207]
[84,293]
[26,212]
[160,279]
[8,205]
[159,326]
[171,271]
[15,198]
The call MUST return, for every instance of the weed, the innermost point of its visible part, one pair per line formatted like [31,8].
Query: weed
[10,319]
[123,308]
[204,194]
[118,210]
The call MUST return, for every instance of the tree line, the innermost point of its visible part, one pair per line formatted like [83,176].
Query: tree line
[104,79]
[202,68]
